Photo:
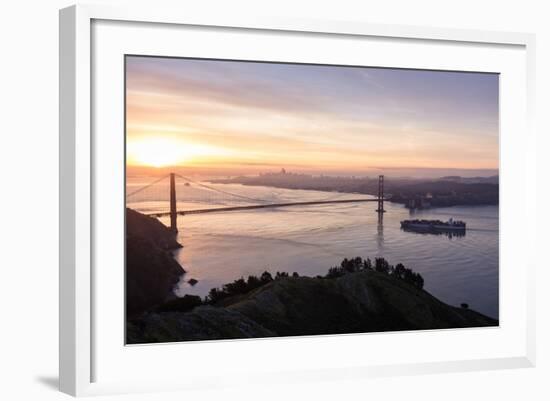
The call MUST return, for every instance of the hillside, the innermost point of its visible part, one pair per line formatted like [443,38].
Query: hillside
[364,301]
[151,271]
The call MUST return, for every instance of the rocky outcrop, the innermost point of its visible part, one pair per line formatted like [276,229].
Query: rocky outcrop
[365,301]
[151,271]
[149,228]
[203,323]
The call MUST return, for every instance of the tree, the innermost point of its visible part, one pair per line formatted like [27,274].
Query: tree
[266,277]
[367,264]
[399,270]
[419,281]
[344,264]
[352,265]
[215,295]
[335,272]
[253,282]
[236,287]
[357,263]
[381,265]
[280,275]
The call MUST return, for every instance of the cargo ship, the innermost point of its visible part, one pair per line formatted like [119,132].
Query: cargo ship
[434,225]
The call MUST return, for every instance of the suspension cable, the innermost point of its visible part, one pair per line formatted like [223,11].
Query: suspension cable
[220,190]
[146,186]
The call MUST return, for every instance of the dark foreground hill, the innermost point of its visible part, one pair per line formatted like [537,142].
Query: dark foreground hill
[151,271]
[363,301]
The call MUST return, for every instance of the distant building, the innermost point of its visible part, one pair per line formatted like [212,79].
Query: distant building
[419,203]
[425,203]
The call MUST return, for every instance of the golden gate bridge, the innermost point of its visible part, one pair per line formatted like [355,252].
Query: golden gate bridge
[190,191]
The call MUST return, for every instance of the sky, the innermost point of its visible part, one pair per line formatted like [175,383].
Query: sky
[325,119]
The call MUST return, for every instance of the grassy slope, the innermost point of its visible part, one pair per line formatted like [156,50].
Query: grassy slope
[365,301]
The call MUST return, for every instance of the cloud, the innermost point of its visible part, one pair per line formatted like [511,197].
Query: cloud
[332,113]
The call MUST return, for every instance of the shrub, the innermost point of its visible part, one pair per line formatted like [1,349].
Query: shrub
[357,264]
[183,304]
[367,264]
[352,265]
[381,265]
[335,272]
[266,277]
[240,286]
[399,271]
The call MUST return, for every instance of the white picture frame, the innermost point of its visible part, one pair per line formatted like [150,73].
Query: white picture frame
[78,217]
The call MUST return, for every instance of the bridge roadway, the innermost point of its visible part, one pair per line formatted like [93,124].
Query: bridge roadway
[269,205]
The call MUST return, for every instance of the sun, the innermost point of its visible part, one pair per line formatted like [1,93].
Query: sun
[166,151]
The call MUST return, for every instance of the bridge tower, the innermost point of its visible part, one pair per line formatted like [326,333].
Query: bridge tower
[173,208]
[380,208]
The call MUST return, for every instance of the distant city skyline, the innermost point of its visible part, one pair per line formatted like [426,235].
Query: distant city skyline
[250,117]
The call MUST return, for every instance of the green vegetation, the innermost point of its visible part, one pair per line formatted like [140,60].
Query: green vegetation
[381,265]
[356,299]
[242,286]
[357,264]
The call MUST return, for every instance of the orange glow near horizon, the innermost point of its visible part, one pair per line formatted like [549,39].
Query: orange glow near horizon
[158,151]
[258,116]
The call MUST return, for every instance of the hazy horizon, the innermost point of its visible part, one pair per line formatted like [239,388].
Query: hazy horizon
[248,117]
[372,173]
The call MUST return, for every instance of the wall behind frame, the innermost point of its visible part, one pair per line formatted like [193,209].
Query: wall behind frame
[29,154]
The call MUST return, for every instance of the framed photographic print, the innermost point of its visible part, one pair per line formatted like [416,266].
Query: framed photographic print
[354,195]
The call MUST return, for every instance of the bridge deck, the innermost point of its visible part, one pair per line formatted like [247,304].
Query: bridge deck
[270,205]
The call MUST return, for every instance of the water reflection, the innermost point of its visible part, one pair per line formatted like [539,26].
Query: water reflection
[433,231]
[380,231]
[220,247]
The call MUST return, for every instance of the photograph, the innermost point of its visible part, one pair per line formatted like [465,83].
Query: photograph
[243,201]
[273,199]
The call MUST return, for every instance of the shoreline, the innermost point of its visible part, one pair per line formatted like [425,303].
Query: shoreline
[412,198]
[356,297]
[303,244]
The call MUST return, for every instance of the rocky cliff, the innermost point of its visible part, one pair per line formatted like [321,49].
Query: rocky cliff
[149,228]
[364,301]
[151,271]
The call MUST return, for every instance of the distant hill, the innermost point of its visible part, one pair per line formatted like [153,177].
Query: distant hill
[472,180]
[445,191]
